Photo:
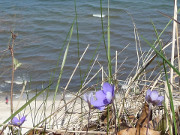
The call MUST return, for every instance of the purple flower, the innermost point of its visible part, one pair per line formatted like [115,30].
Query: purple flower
[88,98]
[18,121]
[103,97]
[154,98]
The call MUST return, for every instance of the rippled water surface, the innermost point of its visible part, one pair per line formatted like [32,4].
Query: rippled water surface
[42,27]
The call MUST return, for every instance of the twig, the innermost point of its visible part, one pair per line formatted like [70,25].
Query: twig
[11,48]
[169,17]
[12,79]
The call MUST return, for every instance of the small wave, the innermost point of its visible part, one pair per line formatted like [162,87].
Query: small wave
[16,82]
[3,85]
[19,80]
[98,15]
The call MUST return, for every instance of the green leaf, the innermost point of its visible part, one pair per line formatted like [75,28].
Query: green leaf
[16,63]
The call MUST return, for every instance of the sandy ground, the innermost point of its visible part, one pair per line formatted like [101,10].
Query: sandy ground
[38,110]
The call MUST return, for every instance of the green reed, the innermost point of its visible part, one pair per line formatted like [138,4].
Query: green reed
[166,77]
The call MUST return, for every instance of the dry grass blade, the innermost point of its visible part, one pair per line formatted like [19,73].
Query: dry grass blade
[24,85]
[90,70]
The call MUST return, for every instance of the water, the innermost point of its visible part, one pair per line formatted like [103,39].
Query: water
[42,26]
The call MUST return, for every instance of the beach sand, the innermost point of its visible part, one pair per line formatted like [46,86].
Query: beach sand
[38,110]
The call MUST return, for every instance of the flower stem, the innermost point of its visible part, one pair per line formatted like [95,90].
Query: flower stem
[107,119]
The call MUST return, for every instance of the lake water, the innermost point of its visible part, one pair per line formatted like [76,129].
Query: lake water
[42,26]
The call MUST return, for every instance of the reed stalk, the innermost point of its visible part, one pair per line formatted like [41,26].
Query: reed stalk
[173,44]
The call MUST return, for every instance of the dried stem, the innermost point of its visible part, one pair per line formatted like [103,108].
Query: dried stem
[11,48]
[177,42]
[173,42]
[12,79]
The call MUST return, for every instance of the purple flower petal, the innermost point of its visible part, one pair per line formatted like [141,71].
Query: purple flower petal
[103,97]
[154,95]
[18,122]
[160,99]
[148,93]
[108,87]
[15,121]
[100,95]
[109,96]
[97,103]
[22,120]
[85,97]
[154,98]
